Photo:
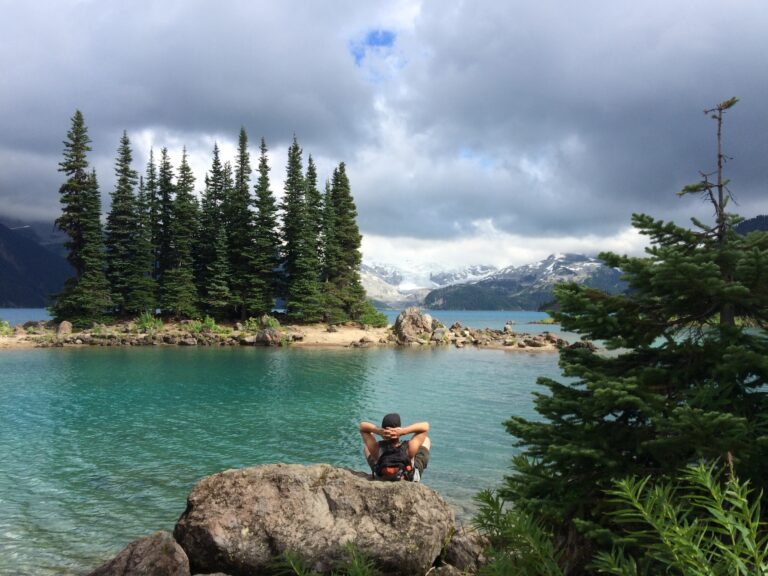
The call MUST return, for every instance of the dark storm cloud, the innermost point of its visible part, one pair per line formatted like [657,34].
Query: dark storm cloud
[625,83]
[187,67]
[540,119]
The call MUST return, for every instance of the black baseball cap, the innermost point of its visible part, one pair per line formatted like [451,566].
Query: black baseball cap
[391,420]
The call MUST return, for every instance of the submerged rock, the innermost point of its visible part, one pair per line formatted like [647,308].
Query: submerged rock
[239,521]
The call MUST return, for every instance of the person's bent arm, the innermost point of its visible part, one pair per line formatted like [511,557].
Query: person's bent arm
[367,431]
[419,431]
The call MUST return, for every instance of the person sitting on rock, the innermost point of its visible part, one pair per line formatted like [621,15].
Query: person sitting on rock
[393,459]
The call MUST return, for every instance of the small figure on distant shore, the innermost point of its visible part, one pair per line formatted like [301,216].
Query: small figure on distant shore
[392,458]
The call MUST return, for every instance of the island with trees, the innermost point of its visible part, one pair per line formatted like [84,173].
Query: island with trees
[230,256]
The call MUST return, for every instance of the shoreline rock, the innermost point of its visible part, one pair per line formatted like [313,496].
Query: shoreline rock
[412,328]
[243,521]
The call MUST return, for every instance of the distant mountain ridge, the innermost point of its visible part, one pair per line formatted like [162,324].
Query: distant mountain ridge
[753,224]
[29,273]
[392,286]
[526,287]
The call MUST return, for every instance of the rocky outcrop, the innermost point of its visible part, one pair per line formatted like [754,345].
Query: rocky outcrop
[240,520]
[158,555]
[245,521]
[414,327]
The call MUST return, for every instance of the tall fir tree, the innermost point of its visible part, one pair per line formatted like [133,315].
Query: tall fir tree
[302,265]
[314,202]
[344,293]
[153,204]
[121,229]
[328,255]
[212,258]
[266,239]
[166,191]
[680,385]
[292,207]
[240,232]
[143,294]
[178,293]
[85,297]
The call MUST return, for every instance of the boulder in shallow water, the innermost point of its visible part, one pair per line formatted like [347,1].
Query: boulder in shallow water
[240,521]
[158,555]
[412,326]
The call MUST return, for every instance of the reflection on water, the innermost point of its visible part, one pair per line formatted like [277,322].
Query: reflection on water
[101,446]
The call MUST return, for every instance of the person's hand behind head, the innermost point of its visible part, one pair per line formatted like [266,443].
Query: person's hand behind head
[391,433]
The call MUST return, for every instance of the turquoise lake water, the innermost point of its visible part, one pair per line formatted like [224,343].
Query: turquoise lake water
[100,446]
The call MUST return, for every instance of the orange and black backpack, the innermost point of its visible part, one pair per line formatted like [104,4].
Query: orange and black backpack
[393,463]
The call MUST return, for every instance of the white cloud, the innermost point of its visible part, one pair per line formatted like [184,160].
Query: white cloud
[491,246]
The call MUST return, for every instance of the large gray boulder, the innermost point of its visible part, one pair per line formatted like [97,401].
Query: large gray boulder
[158,555]
[412,326]
[240,521]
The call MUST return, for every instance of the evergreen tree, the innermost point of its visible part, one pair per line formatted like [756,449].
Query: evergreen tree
[304,301]
[143,294]
[122,225]
[293,209]
[266,240]
[327,235]
[166,191]
[344,293]
[153,204]
[178,293]
[683,382]
[212,264]
[314,202]
[240,232]
[85,297]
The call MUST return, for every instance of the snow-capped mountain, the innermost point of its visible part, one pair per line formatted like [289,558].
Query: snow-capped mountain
[553,269]
[526,287]
[407,284]
[463,276]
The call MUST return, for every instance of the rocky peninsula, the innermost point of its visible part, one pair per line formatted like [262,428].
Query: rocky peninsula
[248,521]
[412,328]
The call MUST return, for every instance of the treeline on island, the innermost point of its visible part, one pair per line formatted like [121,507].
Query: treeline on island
[230,255]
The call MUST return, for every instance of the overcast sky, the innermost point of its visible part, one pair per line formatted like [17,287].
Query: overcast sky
[473,132]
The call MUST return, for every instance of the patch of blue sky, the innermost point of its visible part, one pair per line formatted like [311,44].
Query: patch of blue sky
[378,40]
[482,160]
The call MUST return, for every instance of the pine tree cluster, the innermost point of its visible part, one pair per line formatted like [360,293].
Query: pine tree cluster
[233,254]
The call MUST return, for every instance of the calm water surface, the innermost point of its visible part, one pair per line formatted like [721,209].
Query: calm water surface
[100,446]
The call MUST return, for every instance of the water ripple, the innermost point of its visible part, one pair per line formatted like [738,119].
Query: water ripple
[101,446]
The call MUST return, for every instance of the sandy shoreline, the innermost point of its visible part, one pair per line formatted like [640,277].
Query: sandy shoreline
[306,336]
[315,335]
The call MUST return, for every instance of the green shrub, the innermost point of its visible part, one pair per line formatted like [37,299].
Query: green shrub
[699,526]
[260,323]
[354,563]
[5,328]
[519,543]
[372,317]
[147,323]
